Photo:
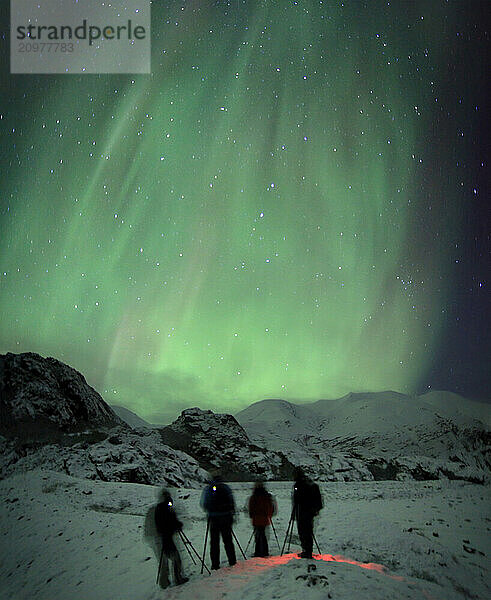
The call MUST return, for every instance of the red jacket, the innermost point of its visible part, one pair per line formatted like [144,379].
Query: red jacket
[261,508]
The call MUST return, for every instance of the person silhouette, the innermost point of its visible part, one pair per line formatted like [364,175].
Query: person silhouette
[166,525]
[218,501]
[262,507]
[307,502]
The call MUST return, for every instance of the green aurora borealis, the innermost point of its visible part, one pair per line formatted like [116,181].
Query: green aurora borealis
[271,213]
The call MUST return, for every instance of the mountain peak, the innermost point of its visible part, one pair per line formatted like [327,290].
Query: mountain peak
[37,390]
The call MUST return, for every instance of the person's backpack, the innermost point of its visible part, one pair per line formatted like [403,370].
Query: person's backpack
[315,498]
[308,498]
[220,499]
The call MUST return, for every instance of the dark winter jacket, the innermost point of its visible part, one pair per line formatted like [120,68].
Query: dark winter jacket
[217,499]
[166,520]
[307,499]
[261,507]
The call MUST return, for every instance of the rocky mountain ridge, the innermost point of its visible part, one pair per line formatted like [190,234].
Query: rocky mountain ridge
[51,418]
[131,418]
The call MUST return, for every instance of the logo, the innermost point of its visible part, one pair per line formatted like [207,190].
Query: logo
[67,32]
[56,36]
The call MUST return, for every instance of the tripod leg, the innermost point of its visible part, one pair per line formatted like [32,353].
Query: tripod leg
[290,524]
[316,543]
[249,541]
[274,531]
[235,538]
[185,541]
[286,537]
[291,530]
[204,549]
[195,551]
[160,563]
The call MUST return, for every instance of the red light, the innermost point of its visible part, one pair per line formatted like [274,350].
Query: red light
[273,561]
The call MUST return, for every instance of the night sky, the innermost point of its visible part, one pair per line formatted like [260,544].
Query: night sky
[294,204]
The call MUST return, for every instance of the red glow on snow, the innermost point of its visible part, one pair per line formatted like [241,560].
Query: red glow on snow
[273,561]
[228,580]
[350,561]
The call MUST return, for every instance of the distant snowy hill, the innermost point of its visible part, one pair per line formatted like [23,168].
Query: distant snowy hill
[51,418]
[378,435]
[129,417]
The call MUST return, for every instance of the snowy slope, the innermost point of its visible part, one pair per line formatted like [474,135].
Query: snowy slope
[129,417]
[364,414]
[117,455]
[63,537]
[382,435]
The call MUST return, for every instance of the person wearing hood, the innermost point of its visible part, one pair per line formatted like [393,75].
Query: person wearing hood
[307,502]
[262,507]
[167,524]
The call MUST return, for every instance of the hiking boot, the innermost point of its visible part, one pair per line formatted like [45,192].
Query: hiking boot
[182,580]
[305,555]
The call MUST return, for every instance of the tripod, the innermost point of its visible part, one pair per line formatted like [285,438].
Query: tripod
[204,549]
[189,546]
[206,539]
[274,531]
[249,540]
[289,531]
[235,538]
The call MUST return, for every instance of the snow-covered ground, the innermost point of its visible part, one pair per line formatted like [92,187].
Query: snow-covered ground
[67,538]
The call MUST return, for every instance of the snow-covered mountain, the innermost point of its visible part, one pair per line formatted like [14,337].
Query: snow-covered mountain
[52,419]
[120,454]
[378,435]
[218,442]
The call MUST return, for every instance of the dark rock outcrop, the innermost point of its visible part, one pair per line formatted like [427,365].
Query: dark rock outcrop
[39,394]
[218,442]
